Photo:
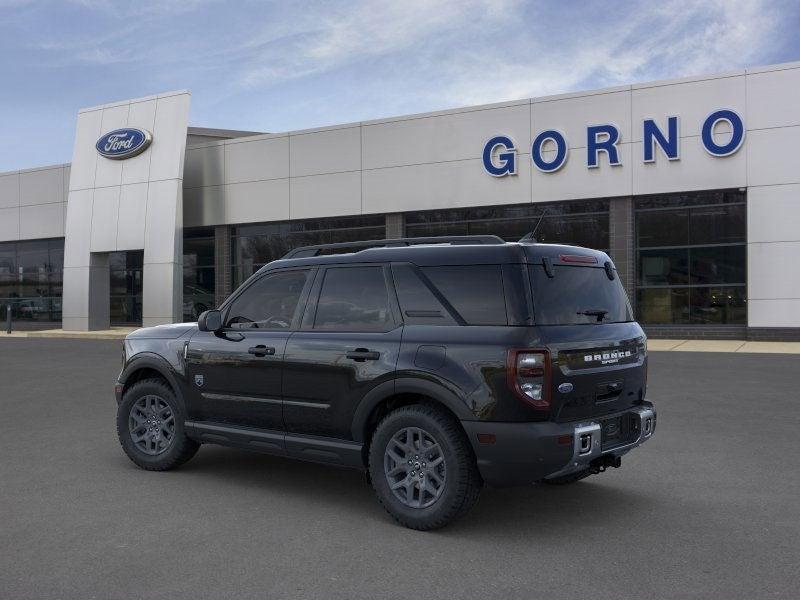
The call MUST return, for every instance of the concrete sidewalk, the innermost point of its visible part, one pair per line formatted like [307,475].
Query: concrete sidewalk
[723,346]
[115,333]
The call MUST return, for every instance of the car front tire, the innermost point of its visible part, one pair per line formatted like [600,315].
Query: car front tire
[150,427]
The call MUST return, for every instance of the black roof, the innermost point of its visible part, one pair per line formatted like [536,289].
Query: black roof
[444,252]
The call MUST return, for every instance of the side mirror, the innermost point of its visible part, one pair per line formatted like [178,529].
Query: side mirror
[210,320]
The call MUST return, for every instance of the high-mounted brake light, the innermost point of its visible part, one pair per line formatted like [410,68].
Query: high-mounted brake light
[577,258]
[528,374]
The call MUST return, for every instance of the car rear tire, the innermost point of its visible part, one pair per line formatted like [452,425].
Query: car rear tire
[150,427]
[422,467]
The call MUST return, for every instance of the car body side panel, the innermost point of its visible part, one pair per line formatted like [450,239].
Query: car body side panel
[469,363]
[228,384]
[322,387]
[162,355]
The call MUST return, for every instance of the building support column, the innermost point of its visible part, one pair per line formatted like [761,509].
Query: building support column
[621,243]
[395,226]
[87,306]
[222,264]
[99,292]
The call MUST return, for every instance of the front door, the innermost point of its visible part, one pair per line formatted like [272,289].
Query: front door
[235,374]
[348,344]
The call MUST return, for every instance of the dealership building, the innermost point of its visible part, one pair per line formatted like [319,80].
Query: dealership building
[692,186]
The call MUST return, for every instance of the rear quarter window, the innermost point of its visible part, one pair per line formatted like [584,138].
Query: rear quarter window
[474,291]
[418,302]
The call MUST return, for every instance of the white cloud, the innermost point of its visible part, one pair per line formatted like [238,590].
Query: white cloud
[453,52]
[674,40]
[470,52]
[324,39]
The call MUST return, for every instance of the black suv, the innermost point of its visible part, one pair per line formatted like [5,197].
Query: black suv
[434,364]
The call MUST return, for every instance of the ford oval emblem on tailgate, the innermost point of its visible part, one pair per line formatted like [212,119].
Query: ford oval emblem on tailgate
[565,388]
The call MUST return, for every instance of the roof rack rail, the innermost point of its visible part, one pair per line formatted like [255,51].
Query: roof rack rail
[309,251]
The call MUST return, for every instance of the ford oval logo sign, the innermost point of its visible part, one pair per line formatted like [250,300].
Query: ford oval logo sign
[123,143]
[565,388]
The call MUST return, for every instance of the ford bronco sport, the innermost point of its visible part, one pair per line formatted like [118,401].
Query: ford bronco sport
[436,365]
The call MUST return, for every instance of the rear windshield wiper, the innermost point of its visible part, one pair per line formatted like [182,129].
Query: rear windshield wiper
[594,312]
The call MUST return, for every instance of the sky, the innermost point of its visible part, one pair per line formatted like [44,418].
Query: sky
[279,66]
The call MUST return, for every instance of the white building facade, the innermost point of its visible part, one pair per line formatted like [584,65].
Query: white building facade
[692,186]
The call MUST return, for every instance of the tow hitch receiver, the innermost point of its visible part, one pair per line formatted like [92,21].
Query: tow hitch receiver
[599,465]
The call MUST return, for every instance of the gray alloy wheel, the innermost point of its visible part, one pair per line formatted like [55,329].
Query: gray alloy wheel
[414,467]
[151,425]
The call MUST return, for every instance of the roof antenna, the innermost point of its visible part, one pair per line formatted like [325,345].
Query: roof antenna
[531,237]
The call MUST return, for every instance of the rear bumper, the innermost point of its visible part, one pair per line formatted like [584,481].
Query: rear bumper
[523,453]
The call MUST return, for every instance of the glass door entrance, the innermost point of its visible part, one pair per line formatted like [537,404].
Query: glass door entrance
[126,287]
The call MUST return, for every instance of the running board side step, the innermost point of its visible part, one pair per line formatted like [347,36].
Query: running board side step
[304,447]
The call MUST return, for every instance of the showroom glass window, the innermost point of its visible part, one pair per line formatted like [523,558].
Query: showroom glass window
[31,277]
[253,246]
[583,223]
[691,258]
[198,272]
[125,270]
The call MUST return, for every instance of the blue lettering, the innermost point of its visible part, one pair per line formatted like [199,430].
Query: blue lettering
[500,152]
[736,140]
[561,151]
[602,138]
[507,158]
[652,135]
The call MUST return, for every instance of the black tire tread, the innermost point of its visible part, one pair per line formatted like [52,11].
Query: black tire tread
[469,487]
[182,448]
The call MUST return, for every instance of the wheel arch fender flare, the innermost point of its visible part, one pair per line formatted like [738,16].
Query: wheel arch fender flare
[434,390]
[150,360]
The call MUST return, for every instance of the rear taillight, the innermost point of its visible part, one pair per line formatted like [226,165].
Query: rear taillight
[529,376]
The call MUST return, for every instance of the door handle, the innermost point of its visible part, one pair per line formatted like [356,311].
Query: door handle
[362,354]
[261,350]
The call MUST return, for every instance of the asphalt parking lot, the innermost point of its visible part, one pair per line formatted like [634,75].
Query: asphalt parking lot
[710,508]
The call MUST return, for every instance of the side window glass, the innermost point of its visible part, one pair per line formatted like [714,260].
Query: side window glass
[269,303]
[475,291]
[418,303]
[354,299]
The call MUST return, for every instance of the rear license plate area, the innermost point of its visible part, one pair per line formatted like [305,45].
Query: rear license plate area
[618,431]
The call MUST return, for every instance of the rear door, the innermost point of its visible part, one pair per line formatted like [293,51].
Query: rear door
[235,375]
[347,345]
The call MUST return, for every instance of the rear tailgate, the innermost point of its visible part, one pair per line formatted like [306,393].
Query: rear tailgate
[597,350]
[597,370]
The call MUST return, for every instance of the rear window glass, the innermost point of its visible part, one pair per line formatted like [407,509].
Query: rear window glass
[475,291]
[578,296]
[418,303]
